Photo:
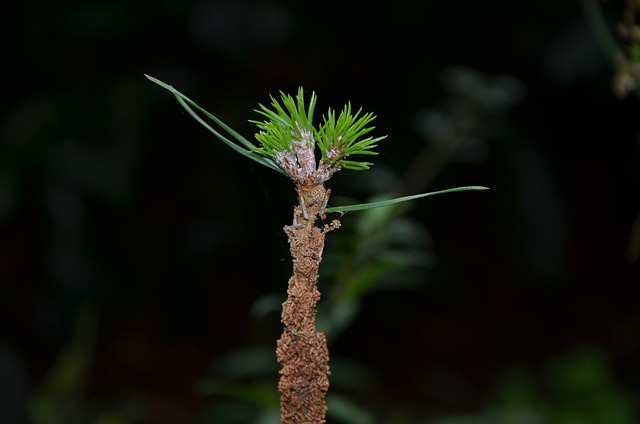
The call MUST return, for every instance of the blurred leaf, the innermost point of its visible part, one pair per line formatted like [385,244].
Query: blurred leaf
[352,376]
[584,392]
[267,304]
[517,391]
[343,410]
[260,393]
[269,416]
[59,399]
[336,318]
[249,362]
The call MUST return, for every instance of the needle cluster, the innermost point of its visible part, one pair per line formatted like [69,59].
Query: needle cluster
[288,137]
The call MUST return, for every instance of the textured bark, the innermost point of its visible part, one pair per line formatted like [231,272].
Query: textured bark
[302,350]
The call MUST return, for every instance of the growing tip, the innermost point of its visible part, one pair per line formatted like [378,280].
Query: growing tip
[161,84]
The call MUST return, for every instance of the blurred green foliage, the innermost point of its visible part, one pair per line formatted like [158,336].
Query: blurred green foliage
[62,396]
[577,387]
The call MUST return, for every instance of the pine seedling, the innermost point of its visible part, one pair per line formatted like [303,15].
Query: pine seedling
[287,142]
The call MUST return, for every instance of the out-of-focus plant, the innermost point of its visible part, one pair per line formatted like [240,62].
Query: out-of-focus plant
[287,143]
[625,60]
[62,398]
[387,249]
[625,57]
[578,387]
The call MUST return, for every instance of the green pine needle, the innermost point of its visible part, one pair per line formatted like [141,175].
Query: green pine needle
[343,134]
[285,122]
[365,206]
[249,150]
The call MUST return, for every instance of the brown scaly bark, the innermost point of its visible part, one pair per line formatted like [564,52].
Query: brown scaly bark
[302,350]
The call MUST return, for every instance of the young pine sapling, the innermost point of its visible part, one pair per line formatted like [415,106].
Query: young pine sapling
[286,142]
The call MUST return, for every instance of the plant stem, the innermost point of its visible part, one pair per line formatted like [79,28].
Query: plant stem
[302,350]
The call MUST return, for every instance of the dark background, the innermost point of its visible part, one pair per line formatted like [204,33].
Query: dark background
[133,244]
